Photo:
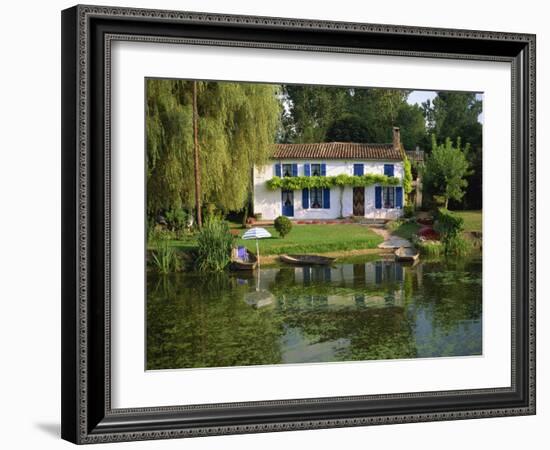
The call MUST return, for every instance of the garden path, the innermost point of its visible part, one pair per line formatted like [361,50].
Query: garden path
[390,241]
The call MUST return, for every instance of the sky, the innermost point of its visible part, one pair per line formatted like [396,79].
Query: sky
[419,97]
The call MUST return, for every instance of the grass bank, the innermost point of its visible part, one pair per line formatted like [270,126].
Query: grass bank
[317,239]
[305,239]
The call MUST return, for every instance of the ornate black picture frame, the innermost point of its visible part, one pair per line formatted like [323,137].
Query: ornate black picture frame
[87,34]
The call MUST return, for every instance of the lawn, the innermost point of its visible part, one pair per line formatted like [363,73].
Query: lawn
[306,239]
[472,219]
[317,239]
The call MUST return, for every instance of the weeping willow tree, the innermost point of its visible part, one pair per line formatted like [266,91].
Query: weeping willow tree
[237,123]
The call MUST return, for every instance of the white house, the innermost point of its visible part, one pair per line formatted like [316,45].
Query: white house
[378,201]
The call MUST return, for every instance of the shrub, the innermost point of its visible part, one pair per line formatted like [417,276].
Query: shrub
[214,243]
[408,211]
[429,248]
[283,225]
[448,224]
[164,257]
[177,220]
[428,233]
[458,246]
[450,227]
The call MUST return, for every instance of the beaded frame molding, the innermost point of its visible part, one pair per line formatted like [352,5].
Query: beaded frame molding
[87,34]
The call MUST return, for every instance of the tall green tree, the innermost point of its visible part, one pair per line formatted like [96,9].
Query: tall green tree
[312,109]
[328,114]
[237,123]
[456,115]
[348,128]
[445,171]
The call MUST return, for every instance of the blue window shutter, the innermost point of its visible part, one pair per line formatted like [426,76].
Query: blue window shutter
[305,198]
[358,169]
[388,170]
[306,275]
[307,171]
[294,170]
[399,197]
[323,170]
[277,170]
[378,273]
[326,198]
[378,197]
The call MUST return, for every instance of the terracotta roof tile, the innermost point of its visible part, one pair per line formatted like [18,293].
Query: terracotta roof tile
[338,150]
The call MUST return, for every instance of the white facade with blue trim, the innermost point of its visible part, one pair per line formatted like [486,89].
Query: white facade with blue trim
[332,159]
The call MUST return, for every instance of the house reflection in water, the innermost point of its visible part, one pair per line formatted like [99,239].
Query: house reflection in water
[376,283]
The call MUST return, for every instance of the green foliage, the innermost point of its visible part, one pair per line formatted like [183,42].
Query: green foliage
[177,219]
[348,128]
[164,258]
[407,178]
[283,225]
[429,248]
[328,114]
[454,115]
[408,211]
[450,226]
[445,170]
[301,182]
[312,109]
[457,246]
[237,126]
[214,243]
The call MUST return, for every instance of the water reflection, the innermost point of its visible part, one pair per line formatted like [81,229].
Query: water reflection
[347,312]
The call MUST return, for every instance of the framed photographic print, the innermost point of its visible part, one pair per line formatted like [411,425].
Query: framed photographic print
[281,224]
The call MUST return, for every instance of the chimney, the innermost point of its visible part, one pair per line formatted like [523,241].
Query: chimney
[396,138]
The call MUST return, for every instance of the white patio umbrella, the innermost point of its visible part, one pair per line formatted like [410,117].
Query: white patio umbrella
[257,233]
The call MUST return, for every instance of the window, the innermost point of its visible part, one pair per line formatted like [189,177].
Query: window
[316,195]
[388,197]
[388,170]
[287,170]
[316,170]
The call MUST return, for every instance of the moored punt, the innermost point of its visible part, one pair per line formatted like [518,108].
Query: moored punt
[406,254]
[242,259]
[306,259]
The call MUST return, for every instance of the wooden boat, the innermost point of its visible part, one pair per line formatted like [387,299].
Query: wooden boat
[406,254]
[306,260]
[243,260]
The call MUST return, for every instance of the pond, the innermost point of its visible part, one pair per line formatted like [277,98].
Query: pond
[351,311]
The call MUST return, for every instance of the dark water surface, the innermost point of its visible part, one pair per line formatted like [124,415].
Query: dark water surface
[363,310]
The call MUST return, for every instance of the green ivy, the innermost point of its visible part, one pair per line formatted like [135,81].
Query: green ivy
[407,178]
[297,183]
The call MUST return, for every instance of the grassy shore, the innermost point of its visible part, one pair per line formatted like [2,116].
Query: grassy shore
[305,239]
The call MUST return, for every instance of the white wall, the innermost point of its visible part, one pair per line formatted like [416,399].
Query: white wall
[268,202]
[30,227]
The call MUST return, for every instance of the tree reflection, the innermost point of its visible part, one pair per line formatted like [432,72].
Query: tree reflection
[373,310]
